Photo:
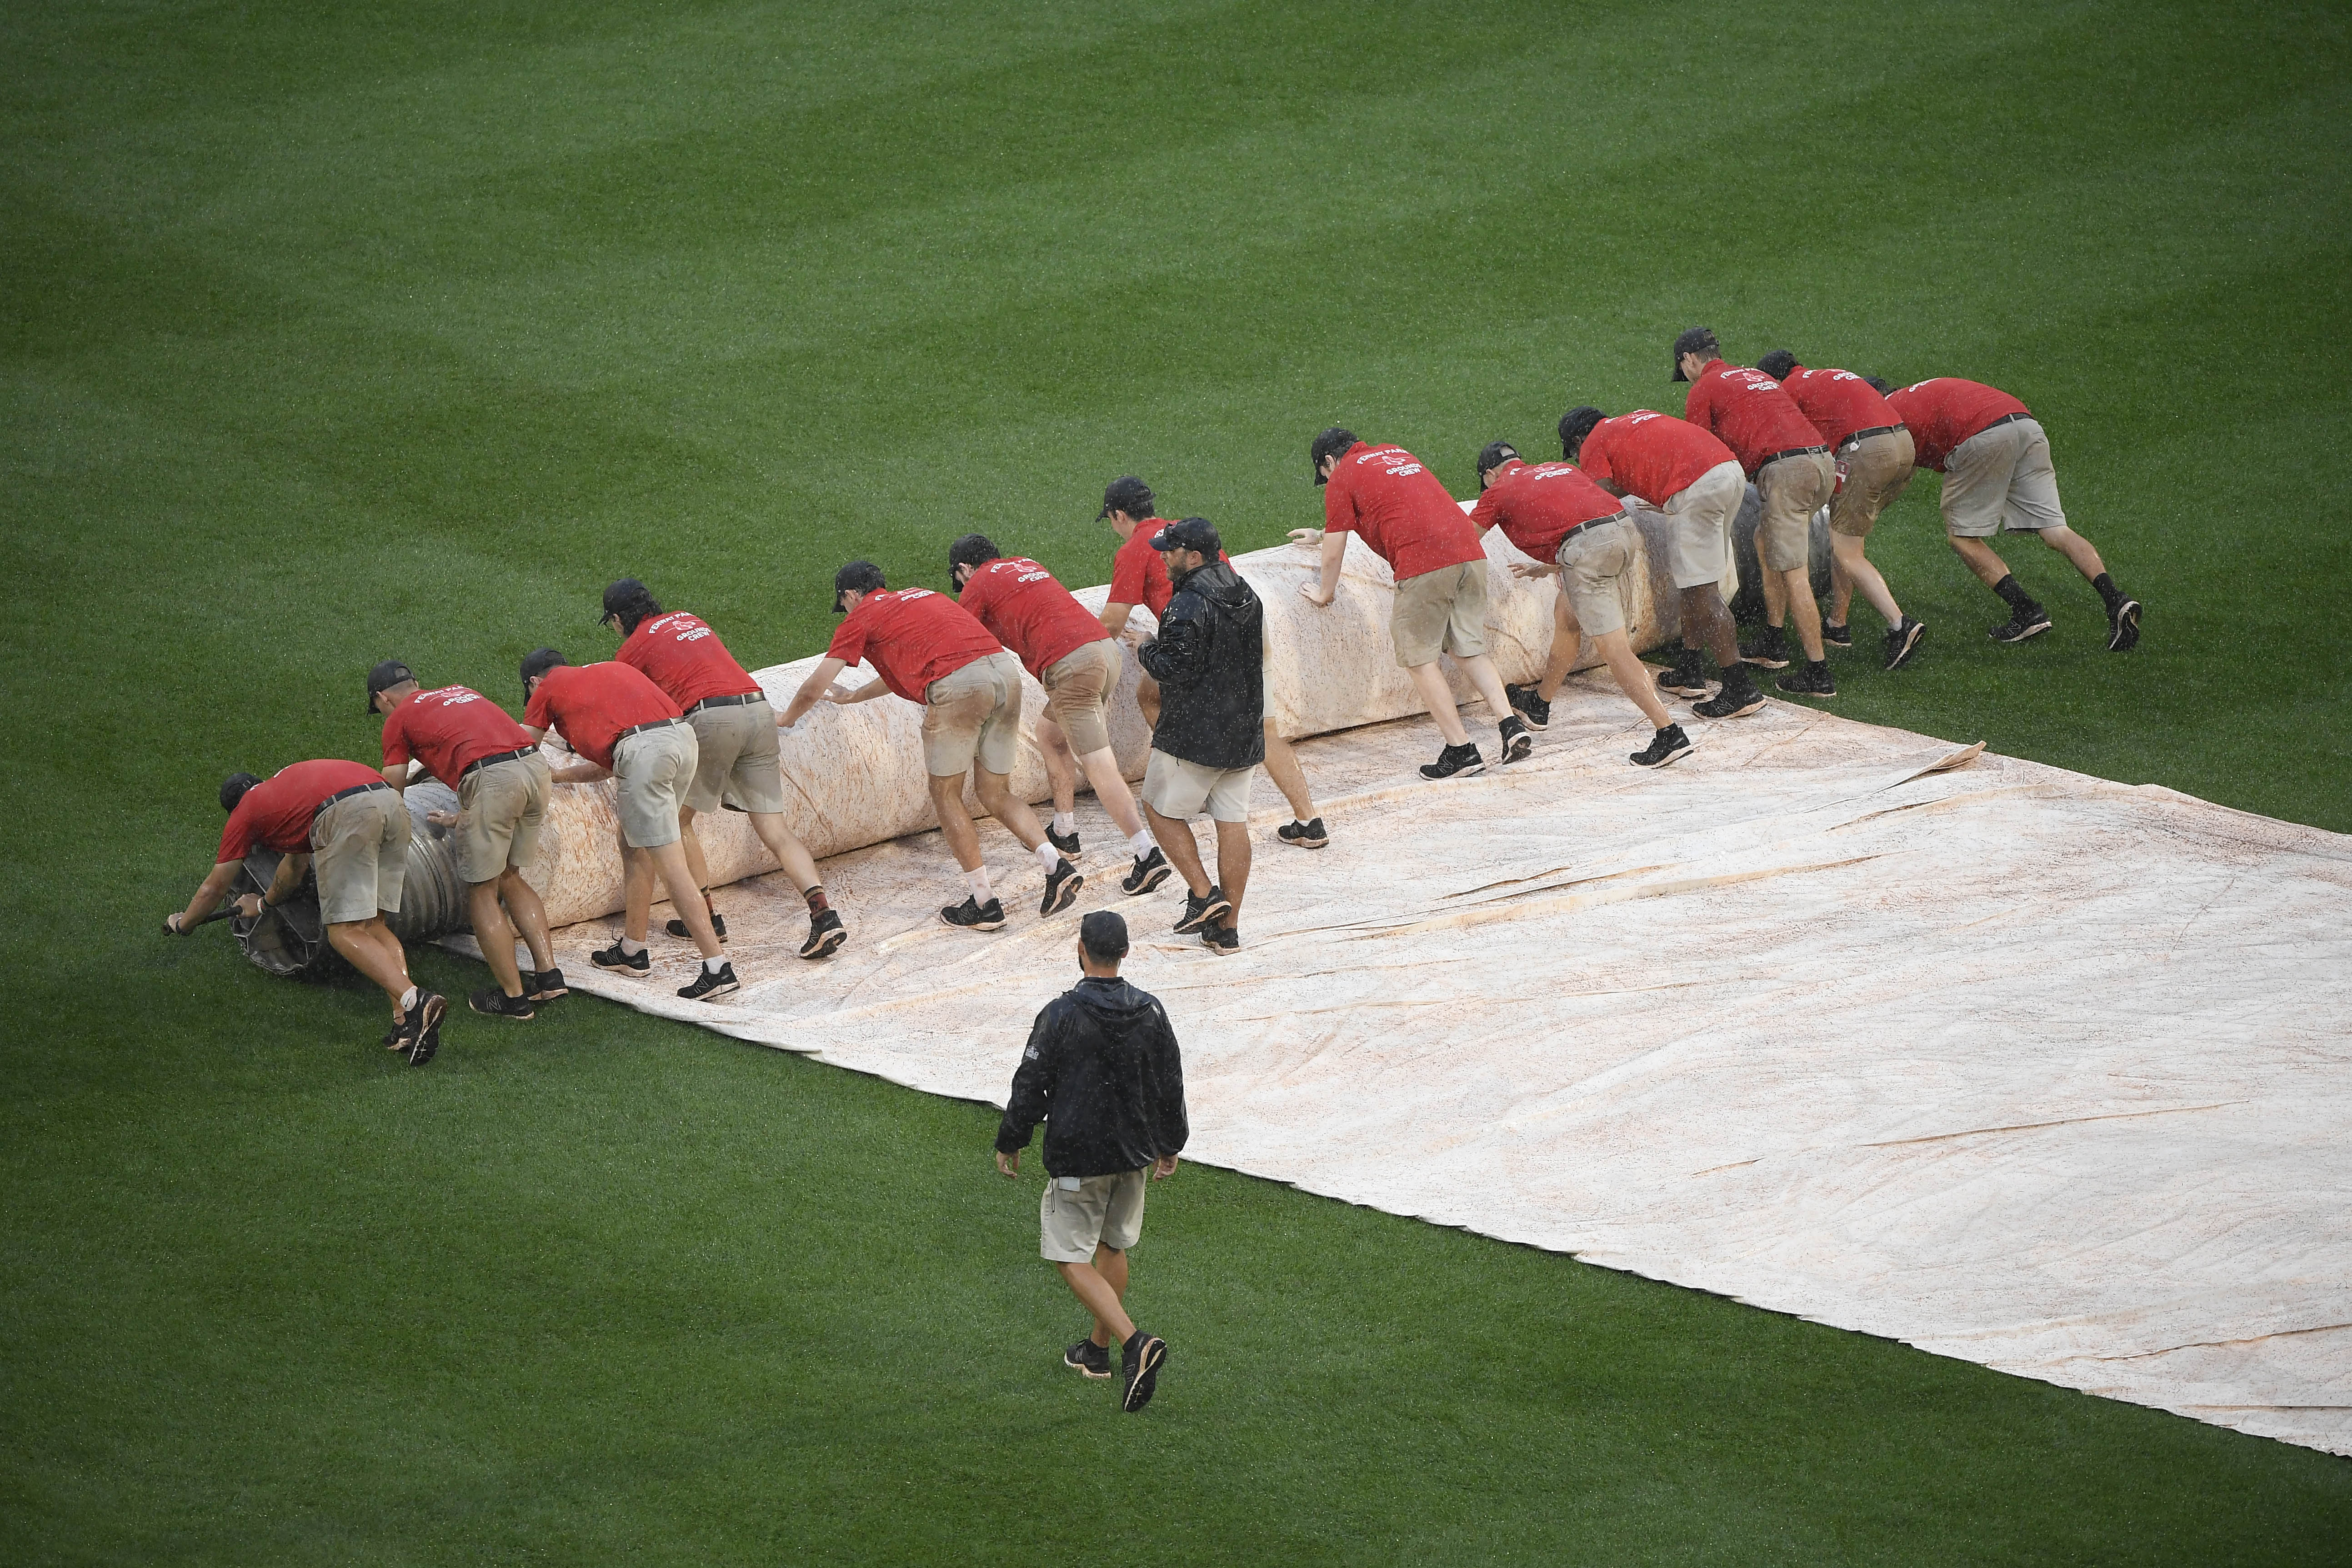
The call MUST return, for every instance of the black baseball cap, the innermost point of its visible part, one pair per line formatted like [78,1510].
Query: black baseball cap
[1104,936]
[857,577]
[384,677]
[1125,493]
[1190,533]
[1332,442]
[234,787]
[1494,455]
[1777,364]
[626,594]
[537,662]
[1695,340]
[1574,426]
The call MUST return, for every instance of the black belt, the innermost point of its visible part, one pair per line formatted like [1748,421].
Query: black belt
[347,794]
[2004,419]
[745,698]
[652,723]
[1793,452]
[1588,523]
[1860,436]
[519,752]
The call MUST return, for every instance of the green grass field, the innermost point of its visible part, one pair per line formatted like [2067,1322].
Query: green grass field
[328,333]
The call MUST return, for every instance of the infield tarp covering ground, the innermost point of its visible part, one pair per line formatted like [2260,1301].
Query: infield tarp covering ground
[2007,1062]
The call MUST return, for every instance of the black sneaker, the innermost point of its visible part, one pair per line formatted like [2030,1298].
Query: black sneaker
[2031,621]
[547,985]
[1902,642]
[1813,681]
[974,915]
[1738,699]
[1837,636]
[1140,1359]
[1149,872]
[1669,745]
[636,969]
[1515,742]
[492,1002]
[826,936]
[1066,843]
[710,983]
[1222,939]
[1307,835]
[1530,707]
[1199,912]
[1061,889]
[1088,1357]
[717,927]
[1767,650]
[425,1027]
[1455,762]
[2123,627]
[1686,679]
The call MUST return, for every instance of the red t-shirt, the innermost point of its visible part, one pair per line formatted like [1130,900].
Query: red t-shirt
[448,730]
[278,811]
[682,655]
[1534,505]
[1384,495]
[1947,411]
[1024,608]
[1837,402]
[1651,454]
[913,637]
[1139,574]
[1750,414]
[593,704]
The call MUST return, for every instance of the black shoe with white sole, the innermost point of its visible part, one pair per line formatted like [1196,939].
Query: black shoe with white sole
[2123,627]
[1902,642]
[1141,1359]
[425,1027]
[1062,887]
[1199,912]
[546,985]
[1455,762]
[717,927]
[1222,939]
[973,916]
[1088,1357]
[1515,741]
[2028,622]
[636,968]
[1530,707]
[1686,679]
[1066,843]
[1669,745]
[826,936]
[710,983]
[1307,835]
[1149,871]
[1813,681]
[492,1002]
[1767,650]
[1837,636]
[1738,698]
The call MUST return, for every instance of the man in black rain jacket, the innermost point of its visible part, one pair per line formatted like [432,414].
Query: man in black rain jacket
[1102,1071]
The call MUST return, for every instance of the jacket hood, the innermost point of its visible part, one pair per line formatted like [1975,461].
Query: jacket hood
[1219,583]
[1112,1002]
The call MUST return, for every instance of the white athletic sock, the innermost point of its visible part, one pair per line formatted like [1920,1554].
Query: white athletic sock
[978,882]
[631,949]
[408,999]
[1065,822]
[1142,843]
[712,966]
[1049,857]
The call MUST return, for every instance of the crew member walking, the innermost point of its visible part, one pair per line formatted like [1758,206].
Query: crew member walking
[1102,1071]
[1577,532]
[929,649]
[624,727]
[1778,448]
[470,744]
[1060,642]
[343,820]
[1995,460]
[1384,495]
[735,746]
[1695,479]
[1209,660]
[1868,440]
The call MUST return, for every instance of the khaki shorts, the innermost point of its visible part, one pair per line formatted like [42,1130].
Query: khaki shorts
[975,712]
[1077,693]
[1792,490]
[1876,471]
[738,758]
[2002,478]
[1591,563]
[1698,547]
[359,850]
[499,809]
[1178,790]
[1079,1213]
[1441,611]
[655,766]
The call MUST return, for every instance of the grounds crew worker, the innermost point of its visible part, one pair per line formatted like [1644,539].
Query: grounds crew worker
[1102,1071]
[343,819]
[1577,532]
[1694,479]
[1208,660]
[1995,459]
[1060,642]
[735,747]
[929,649]
[1384,495]
[470,744]
[624,726]
[1872,448]
[1139,575]
[1778,448]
